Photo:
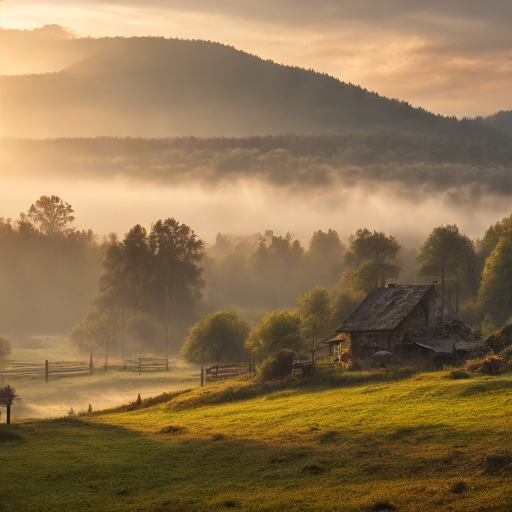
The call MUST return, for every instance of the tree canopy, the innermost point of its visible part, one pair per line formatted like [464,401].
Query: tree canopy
[5,348]
[372,258]
[149,276]
[277,330]
[445,254]
[52,215]
[217,338]
[495,294]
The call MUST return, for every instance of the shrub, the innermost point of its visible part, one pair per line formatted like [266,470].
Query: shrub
[497,341]
[506,354]
[276,367]
[459,374]
[491,365]
[357,366]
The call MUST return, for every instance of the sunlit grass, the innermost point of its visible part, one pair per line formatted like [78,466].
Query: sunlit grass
[426,443]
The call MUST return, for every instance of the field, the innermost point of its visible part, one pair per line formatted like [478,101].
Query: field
[423,443]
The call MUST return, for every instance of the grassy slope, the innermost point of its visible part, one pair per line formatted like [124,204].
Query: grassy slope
[350,448]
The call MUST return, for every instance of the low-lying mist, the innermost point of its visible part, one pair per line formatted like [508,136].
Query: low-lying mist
[397,183]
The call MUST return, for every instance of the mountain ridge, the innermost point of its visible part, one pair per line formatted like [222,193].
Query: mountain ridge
[157,87]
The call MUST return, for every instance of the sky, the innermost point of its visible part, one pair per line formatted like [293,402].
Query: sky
[450,57]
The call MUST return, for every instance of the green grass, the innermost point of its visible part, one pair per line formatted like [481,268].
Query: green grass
[425,443]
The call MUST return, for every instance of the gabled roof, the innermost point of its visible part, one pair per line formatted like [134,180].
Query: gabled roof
[384,308]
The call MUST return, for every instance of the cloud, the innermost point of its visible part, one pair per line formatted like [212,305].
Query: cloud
[451,57]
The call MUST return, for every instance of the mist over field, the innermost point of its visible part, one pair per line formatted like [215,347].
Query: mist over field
[254,156]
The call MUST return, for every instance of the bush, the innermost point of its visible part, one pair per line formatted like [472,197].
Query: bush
[491,365]
[357,366]
[506,354]
[276,367]
[497,341]
[459,374]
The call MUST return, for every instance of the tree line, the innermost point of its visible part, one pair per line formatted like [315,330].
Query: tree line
[152,286]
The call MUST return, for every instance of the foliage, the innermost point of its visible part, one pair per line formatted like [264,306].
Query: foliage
[8,395]
[497,341]
[371,258]
[5,348]
[459,373]
[446,254]
[277,330]
[146,277]
[277,366]
[324,258]
[217,338]
[495,293]
[491,365]
[144,330]
[52,215]
[47,281]
[315,312]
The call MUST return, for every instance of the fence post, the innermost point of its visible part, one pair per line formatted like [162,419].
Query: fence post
[46,370]
[202,376]
[139,365]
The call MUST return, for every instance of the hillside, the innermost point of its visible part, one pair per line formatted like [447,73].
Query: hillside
[156,87]
[424,443]
[502,120]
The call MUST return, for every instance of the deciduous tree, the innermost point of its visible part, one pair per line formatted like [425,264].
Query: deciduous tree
[446,254]
[8,396]
[5,348]
[371,258]
[52,215]
[315,312]
[217,338]
[277,330]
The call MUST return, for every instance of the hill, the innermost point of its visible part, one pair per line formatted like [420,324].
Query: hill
[425,443]
[156,87]
[502,120]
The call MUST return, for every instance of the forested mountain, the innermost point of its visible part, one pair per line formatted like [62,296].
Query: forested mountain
[168,87]
[502,120]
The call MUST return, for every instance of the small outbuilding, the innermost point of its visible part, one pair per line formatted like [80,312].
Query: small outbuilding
[414,322]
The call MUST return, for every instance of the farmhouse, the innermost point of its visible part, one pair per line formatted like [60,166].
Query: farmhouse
[413,322]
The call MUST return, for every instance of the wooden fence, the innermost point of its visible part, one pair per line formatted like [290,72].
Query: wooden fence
[35,369]
[227,371]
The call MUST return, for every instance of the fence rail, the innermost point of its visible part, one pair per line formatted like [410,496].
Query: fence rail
[227,371]
[47,368]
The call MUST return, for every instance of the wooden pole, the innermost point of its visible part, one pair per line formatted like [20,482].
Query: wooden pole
[8,414]
[139,365]
[46,372]
[91,364]
[202,376]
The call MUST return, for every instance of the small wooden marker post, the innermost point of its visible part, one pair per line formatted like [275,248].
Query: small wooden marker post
[202,376]
[46,371]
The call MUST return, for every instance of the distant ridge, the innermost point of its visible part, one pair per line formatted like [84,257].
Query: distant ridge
[157,87]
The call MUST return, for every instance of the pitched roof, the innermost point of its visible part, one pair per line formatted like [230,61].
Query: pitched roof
[384,308]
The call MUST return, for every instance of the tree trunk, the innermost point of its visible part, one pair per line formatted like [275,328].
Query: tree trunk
[8,414]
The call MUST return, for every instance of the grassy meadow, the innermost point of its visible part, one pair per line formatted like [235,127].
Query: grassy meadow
[422,443]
